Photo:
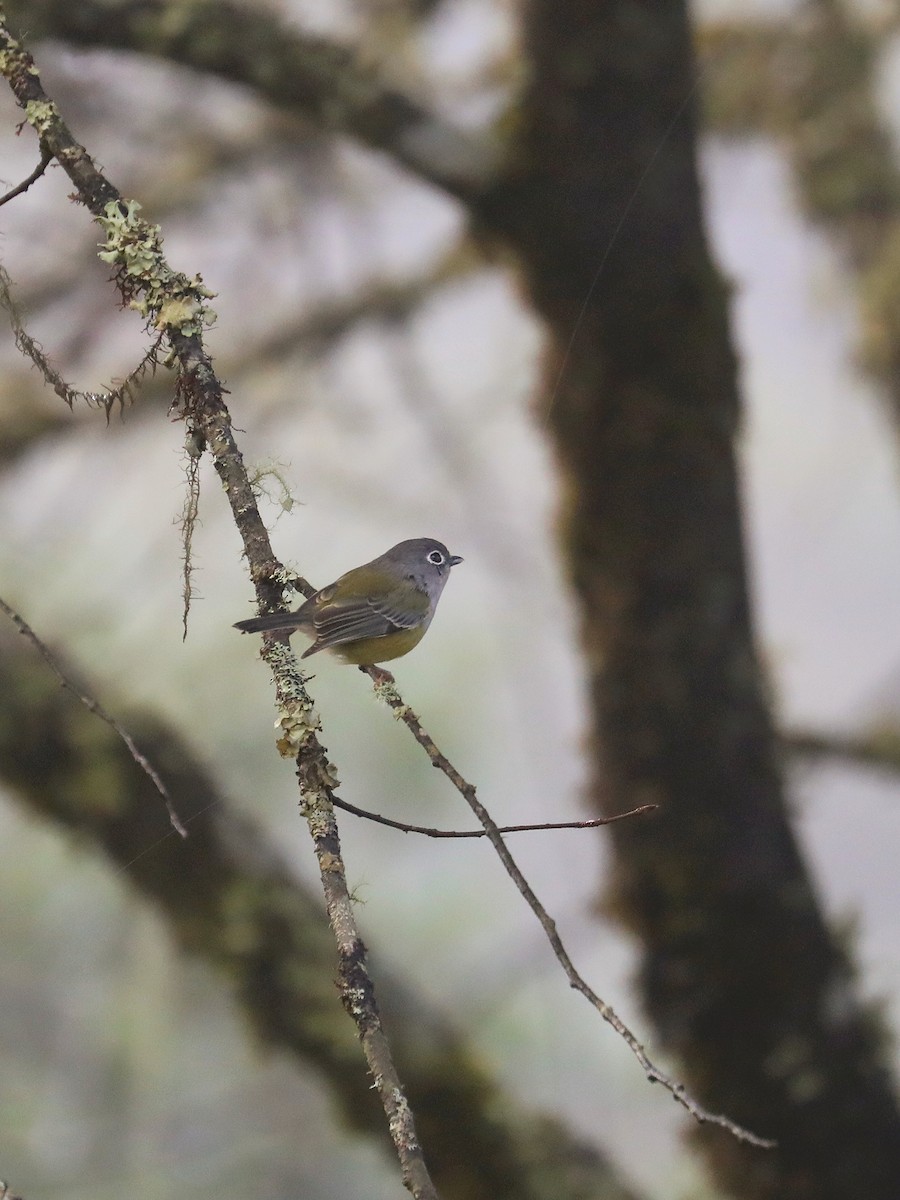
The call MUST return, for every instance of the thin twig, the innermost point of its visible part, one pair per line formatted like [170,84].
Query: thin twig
[386,689]
[98,710]
[46,159]
[480,833]
[194,445]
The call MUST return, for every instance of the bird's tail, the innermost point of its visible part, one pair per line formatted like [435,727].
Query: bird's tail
[279,620]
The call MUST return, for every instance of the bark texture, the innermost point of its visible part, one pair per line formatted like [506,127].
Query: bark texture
[739,971]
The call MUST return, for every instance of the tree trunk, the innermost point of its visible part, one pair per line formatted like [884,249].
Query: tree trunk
[739,970]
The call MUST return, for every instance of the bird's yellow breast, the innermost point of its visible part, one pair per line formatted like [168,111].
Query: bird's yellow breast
[367,651]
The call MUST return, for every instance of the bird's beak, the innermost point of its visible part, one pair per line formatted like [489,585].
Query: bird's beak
[455,560]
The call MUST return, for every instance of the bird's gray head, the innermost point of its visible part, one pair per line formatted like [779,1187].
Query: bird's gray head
[425,562]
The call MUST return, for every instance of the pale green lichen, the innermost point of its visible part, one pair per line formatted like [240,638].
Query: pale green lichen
[329,774]
[41,115]
[385,690]
[289,681]
[298,720]
[178,311]
[167,299]
[12,57]
[269,479]
[294,733]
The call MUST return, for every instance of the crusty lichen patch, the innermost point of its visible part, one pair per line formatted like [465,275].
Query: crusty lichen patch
[170,301]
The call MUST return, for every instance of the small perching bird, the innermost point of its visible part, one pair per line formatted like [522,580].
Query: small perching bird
[375,612]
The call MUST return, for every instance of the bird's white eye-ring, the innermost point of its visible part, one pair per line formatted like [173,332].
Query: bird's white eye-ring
[436,558]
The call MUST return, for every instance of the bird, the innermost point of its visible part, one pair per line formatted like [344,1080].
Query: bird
[373,613]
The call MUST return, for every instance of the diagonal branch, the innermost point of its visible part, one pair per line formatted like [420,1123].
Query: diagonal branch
[176,306]
[385,689]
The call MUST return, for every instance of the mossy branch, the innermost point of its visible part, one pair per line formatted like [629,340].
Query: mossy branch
[176,306]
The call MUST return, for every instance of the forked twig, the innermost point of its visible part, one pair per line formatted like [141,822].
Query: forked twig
[386,689]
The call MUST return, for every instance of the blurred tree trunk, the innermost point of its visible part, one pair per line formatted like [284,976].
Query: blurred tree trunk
[738,969]
[601,207]
[814,83]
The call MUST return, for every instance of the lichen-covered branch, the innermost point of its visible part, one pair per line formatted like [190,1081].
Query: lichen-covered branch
[177,307]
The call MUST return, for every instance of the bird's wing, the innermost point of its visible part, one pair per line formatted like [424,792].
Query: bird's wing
[405,606]
[356,616]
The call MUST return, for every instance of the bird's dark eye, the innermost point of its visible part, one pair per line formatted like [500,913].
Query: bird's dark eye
[436,558]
